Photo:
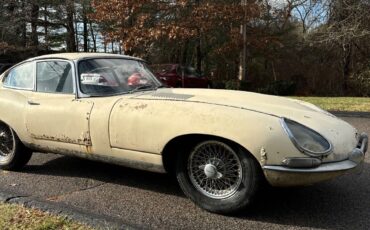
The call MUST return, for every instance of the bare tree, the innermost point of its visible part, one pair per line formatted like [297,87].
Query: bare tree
[347,28]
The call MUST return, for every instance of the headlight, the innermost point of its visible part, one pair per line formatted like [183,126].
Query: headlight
[305,139]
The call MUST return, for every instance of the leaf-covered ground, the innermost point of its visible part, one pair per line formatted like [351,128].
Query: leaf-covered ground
[16,217]
[353,104]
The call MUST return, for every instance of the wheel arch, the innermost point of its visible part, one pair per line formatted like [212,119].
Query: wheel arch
[178,145]
[14,128]
[7,124]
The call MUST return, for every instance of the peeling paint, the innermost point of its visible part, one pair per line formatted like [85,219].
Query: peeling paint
[142,106]
[263,156]
[85,140]
[88,149]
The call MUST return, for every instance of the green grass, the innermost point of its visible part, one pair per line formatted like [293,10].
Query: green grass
[14,217]
[353,104]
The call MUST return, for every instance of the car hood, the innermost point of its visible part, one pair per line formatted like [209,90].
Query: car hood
[338,132]
[267,104]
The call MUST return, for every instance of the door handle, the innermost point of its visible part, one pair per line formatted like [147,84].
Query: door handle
[33,103]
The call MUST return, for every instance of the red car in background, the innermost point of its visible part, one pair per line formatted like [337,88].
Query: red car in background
[176,76]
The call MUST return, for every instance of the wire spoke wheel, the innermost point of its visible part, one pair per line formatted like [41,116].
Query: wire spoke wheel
[215,170]
[7,142]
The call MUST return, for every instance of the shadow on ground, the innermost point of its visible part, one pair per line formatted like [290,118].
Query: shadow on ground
[66,166]
[342,202]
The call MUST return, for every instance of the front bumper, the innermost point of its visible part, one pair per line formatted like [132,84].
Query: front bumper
[278,175]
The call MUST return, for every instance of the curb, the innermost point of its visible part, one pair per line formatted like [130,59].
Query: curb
[71,213]
[351,114]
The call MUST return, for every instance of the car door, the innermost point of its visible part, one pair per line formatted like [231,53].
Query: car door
[53,112]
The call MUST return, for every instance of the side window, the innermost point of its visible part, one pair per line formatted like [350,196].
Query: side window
[54,77]
[21,77]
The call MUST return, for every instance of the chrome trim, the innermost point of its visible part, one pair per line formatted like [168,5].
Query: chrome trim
[355,158]
[363,143]
[301,162]
[299,147]
[328,167]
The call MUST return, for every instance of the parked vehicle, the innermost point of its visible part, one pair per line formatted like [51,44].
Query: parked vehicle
[220,144]
[177,76]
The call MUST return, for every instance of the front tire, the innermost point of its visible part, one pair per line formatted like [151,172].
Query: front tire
[13,154]
[218,176]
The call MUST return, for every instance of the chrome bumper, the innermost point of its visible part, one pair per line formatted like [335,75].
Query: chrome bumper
[355,158]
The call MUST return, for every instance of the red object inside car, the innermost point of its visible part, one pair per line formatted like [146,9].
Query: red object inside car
[134,79]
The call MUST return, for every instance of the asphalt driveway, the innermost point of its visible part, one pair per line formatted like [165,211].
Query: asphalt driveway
[127,197]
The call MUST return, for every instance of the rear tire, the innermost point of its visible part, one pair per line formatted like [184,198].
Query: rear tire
[13,154]
[218,176]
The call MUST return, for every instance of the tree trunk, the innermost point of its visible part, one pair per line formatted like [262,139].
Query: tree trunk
[199,46]
[71,43]
[105,44]
[185,53]
[34,18]
[85,32]
[24,28]
[94,37]
[76,32]
[46,28]
[347,61]
[243,53]
[24,33]
[199,52]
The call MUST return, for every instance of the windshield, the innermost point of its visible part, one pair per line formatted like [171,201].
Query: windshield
[104,77]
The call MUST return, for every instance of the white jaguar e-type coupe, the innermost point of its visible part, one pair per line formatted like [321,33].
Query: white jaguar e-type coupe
[220,144]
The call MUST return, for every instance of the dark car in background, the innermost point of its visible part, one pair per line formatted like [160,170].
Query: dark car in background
[178,76]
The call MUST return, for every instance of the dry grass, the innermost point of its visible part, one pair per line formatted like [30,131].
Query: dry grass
[353,104]
[16,217]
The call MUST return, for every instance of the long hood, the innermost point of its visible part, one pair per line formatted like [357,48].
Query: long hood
[272,105]
[339,132]
[342,135]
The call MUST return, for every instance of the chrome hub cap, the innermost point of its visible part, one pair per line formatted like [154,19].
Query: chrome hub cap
[211,172]
[6,141]
[215,170]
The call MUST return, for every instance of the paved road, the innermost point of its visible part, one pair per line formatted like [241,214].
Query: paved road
[155,201]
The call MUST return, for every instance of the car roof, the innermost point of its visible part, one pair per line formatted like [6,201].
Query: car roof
[79,56]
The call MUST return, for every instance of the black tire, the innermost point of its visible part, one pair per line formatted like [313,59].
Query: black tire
[244,191]
[13,154]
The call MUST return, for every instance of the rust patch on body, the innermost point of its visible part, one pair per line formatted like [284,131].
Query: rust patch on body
[142,106]
[85,140]
[263,156]
[88,149]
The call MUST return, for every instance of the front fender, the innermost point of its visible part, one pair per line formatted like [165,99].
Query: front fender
[148,125]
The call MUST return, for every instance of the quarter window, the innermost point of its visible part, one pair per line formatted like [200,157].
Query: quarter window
[54,77]
[21,77]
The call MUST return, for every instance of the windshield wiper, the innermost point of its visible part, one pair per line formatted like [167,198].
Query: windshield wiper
[147,86]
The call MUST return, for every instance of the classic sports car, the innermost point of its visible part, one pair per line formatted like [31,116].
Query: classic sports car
[220,144]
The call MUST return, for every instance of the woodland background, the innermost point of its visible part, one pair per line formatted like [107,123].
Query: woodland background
[300,47]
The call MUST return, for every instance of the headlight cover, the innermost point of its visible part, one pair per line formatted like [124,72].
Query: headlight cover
[305,139]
